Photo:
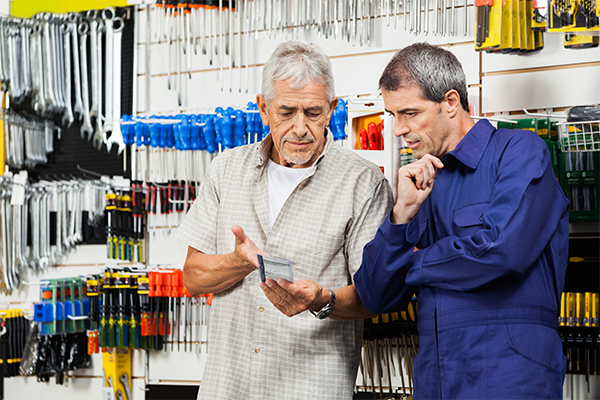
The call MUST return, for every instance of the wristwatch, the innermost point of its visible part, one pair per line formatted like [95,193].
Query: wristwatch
[328,309]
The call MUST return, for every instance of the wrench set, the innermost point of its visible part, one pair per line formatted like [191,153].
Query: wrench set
[60,65]
[29,215]
[222,29]
[28,140]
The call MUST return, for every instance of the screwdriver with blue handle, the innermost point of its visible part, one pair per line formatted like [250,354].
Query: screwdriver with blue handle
[226,129]
[217,123]
[239,128]
[209,134]
[250,131]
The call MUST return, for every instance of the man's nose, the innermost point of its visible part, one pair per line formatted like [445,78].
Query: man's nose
[299,124]
[400,128]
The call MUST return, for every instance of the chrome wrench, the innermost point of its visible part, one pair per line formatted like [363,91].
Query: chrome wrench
[116,137]
[86,127]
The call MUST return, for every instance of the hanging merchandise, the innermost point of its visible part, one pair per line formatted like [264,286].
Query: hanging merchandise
[62,341]
[508,26]
[28,140]
[387,337]
[579,333]
[54,215]
[580,145]
[13,332]
[144,309]
[573,16]
[68,68]
[223,30]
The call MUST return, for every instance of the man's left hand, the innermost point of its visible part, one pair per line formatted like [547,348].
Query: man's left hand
[293,298]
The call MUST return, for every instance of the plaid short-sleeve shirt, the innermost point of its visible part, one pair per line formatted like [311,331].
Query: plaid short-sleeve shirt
[256,352]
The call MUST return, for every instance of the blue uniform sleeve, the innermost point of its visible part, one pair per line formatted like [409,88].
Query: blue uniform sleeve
[525,209]
[386,259]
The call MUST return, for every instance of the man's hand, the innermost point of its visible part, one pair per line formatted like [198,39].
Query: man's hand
[244,254]
[415,181]
[293,298]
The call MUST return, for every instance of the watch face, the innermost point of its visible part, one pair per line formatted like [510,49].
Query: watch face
[325,313]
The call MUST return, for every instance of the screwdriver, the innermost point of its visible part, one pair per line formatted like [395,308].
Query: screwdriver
[93,286]
[364,140]
[373,134]
[121,324]
[143,288]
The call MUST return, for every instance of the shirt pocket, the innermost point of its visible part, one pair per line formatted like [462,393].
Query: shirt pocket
[469,219]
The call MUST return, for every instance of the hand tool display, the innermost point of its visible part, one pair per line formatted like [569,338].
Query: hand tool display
[62,341]
[43,221]
[225,28]
[508,26]
[14,330]
[144,309]
[60,65]
[28,140]
[180,149]
[390,343]
[580,334]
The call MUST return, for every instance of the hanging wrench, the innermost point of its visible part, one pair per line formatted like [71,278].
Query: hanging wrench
[68,117]
[38,99]
[107,15]
[116,137]
[92,16]
[78,106]
[99,138]
[86,127]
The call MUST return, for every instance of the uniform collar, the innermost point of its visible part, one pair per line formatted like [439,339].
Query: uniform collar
[470,149]
[265,147]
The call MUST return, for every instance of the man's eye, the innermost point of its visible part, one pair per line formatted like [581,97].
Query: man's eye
[313,115]
[285,114]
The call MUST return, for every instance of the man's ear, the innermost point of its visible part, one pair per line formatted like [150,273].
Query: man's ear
[452,99]
[332,107]
[262,107]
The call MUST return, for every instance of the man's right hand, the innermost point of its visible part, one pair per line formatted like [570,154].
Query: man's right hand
[203,273]
[244,254]
[415,182]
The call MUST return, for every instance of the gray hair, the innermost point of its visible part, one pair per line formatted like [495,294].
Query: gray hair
[300,63]
[435,70]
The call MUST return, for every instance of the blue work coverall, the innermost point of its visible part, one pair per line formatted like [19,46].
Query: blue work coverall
[493,240]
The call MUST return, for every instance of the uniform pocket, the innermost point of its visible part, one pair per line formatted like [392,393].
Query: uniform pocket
[538,344]
[470,215]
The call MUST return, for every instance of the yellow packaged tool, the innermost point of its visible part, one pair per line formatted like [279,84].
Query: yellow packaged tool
[116,365]
[540,16]
[488,24]
[574,41]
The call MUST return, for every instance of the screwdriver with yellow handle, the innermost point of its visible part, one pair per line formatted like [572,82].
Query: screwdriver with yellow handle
[563,306]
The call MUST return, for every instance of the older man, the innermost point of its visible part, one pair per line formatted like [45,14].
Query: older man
[491,222]
[296,195]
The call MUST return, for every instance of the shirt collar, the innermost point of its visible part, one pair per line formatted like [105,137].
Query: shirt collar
[265,147]
[471,148]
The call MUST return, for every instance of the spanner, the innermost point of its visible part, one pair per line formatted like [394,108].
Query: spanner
[125,382]
[99,138]
[116,137]
[107,15]
[92,16]
[78,106]
[86,127]
[67,118]
[38,100]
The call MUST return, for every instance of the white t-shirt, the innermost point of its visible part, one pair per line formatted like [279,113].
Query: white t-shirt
[281,181]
